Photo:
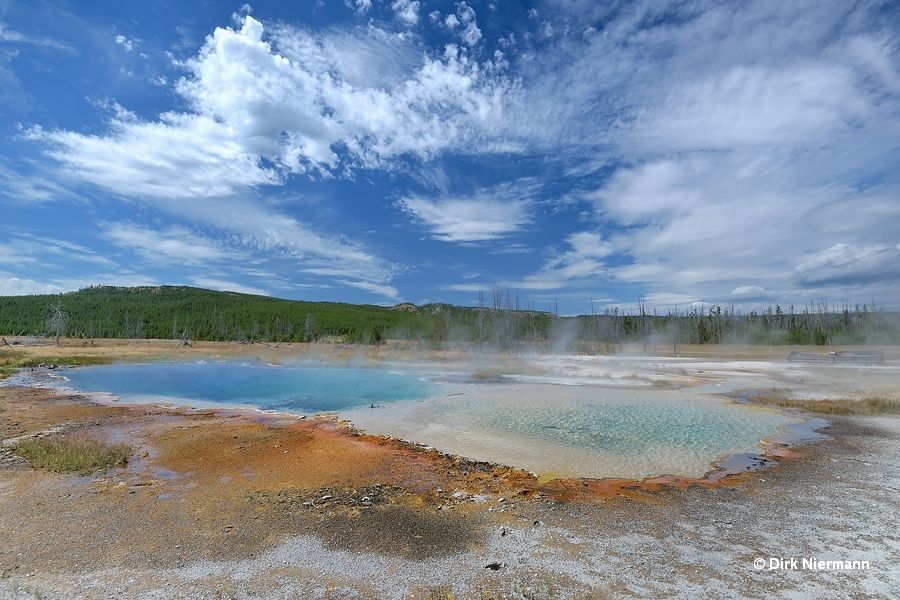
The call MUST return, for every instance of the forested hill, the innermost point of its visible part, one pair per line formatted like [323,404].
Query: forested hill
[173,311]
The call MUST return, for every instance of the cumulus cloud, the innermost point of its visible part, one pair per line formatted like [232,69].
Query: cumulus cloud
[125,42]
[17,286]
[361,6]
[463,23]
[407,11]
[470,33]
[264,108]
[260,115]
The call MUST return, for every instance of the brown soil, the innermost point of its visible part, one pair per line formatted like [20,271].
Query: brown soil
[218,485]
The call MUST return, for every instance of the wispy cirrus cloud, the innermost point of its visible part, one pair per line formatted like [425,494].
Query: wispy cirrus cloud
[47,253]
[174,245]
[725,144]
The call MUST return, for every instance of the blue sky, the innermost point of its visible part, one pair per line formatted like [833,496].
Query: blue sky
[386,151]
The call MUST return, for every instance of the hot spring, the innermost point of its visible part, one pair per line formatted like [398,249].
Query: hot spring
[554,430]
[295,390]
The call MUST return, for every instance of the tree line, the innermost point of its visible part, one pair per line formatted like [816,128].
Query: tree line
[499,321]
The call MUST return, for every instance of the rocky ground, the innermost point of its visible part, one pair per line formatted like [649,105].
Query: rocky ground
[237,505]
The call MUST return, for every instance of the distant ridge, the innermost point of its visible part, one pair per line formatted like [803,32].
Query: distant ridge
[164,312]
[190,313]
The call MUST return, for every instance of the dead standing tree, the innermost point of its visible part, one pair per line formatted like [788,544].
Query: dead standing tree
[184,342]
[643,322]
[58,321]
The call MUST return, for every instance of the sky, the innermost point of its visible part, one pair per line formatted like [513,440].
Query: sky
[577,153]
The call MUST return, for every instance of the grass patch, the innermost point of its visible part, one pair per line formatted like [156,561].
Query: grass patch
[866,406]
[12,361]
[64,454]
[78,360]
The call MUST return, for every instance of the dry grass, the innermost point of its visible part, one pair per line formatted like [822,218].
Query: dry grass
[12,360]
[866,406]
[72,454]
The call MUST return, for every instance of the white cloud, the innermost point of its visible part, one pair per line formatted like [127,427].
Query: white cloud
[705,224]
[584,259]
[547,29]
[11,36]
[125,42]
[406,10]
[470,32]
[252,104]
[361,6]
[172,246]
[465,220]
[16,286]
[12,255]
[48,254]
[382,290]
[730,144]
[722,150]
[754,106]
[228,286]
[180,156]
[848,264]
[8,35]
[464,23]
[263,109]
[21,182]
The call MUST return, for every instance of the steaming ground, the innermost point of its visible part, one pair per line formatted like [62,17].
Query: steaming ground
[177,525]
